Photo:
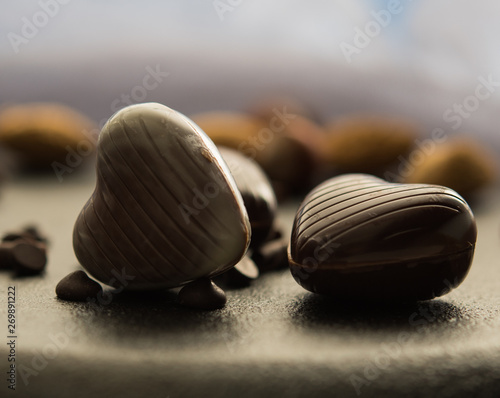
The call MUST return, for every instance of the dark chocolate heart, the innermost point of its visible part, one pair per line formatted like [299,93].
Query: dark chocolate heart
[357,236]
[256,191]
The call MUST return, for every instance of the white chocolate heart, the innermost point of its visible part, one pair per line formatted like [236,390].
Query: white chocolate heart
[165,210]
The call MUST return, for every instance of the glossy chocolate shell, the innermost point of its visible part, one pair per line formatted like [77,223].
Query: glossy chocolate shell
[357,236]
[257,193]
[165,210]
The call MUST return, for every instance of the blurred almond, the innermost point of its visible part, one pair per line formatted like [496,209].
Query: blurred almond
[366,143]
[462,164]
[266,108]
[232,129]
[289,165]
[273,144]
[41,133]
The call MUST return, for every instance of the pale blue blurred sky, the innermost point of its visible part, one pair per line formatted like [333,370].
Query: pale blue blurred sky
[461,31]
[91,52]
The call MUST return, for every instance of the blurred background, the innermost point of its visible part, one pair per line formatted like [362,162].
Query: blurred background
[416,59]
[432,64]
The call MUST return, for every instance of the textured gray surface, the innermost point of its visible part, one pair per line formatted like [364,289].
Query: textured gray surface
[273,338]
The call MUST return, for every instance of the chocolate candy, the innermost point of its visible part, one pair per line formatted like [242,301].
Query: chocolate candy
[202,294]
[77,286]
[257,193]
[359,237]
[165,210]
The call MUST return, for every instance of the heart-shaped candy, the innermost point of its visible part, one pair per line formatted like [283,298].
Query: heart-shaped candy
[256,191]
[359,237]
[165,210]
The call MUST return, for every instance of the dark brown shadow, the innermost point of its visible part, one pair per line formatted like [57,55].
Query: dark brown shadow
[320,312]
[136,318]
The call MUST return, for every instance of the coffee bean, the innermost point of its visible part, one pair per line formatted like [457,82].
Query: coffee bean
[35,233]
[26,258]
[77,286]
[272,255]
[29,259]
[29,233]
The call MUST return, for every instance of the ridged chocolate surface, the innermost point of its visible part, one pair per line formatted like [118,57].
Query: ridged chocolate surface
[165,209]
[257,193]
[358,226]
